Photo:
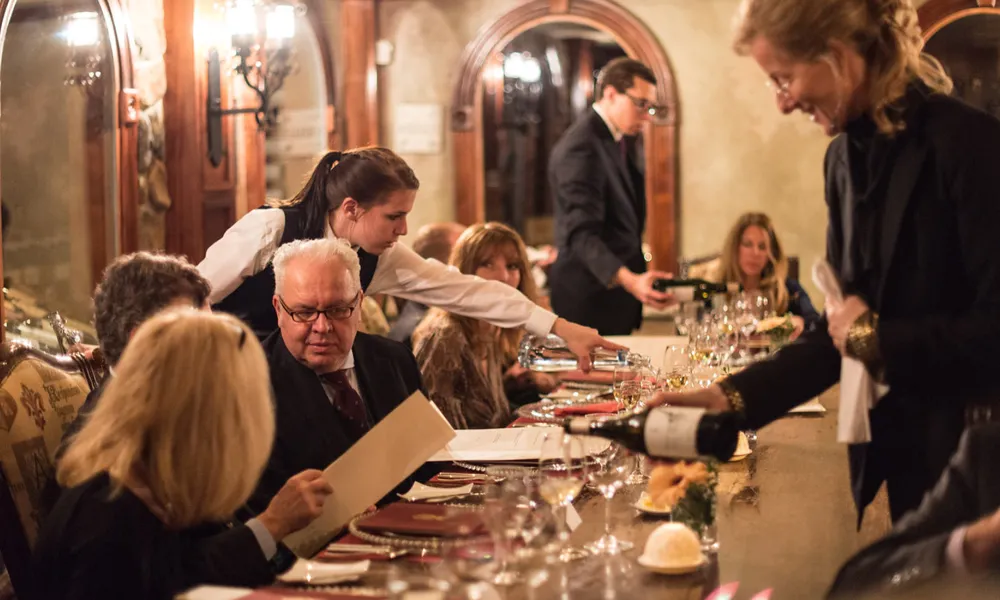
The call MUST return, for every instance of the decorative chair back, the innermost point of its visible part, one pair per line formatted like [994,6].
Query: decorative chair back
[40,396]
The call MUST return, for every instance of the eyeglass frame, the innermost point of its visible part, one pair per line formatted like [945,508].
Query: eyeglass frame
[644,105]
[781,88]
[297,315]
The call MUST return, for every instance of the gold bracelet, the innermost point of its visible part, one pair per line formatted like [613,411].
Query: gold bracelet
[733,395]
[862,339]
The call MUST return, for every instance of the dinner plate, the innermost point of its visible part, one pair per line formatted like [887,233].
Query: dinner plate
[643,505]
[672,569]
[545,410]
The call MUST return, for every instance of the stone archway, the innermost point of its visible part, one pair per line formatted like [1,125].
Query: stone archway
[660,137]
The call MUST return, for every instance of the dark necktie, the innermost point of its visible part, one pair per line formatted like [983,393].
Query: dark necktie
[347,402]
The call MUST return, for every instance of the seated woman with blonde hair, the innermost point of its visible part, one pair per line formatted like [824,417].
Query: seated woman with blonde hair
[752,257]
[464,361]
[175,446]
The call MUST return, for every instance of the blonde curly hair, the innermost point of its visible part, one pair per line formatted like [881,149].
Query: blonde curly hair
[885,32]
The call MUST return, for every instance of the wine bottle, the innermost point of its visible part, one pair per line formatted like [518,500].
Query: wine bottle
[549,353]
[690,290]
[670,432]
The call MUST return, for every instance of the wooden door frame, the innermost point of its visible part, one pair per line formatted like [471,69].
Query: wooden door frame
[660,136]
[936,14]
[127,131]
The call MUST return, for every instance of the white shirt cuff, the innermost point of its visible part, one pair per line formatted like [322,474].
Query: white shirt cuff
[264,538]
[954,552]
[541,321]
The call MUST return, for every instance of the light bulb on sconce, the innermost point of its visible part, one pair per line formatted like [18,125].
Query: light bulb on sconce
[263,62]
[280,24]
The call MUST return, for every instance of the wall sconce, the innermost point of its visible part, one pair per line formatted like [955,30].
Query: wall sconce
[262,61]
[522,88]
[82,34]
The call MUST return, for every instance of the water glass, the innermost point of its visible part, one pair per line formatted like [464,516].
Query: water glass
[610,475]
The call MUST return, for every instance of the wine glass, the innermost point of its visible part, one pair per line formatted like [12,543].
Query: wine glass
[702,344]
[563,469]
[676,367]
[506,507]
[626,384]
[610,475]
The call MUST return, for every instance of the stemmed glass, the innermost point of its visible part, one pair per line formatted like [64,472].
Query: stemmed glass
[626,384]
[614,465]
[676,367]
[506,506]
[563,470]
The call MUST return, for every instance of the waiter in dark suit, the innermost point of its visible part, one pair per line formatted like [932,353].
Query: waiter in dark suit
[331,383]
[953,538]
[596,171]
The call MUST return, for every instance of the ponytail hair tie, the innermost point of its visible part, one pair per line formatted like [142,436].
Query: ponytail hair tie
[332,158]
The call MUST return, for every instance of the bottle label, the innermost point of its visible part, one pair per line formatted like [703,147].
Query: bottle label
[672,432]
[683,293]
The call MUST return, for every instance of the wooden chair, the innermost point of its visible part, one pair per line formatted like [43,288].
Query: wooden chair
[40,395]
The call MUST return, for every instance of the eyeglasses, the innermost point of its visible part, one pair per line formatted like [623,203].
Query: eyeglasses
[780,86]
[334,313]
[643,105]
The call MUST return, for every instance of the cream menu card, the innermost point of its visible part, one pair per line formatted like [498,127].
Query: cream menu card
[378,462]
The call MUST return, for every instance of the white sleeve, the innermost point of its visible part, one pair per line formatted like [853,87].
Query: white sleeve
[244,250]
[402,272]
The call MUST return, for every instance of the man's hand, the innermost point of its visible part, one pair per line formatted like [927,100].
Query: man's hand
[641,286]
[581,340]
[711,398]
[296,504]
[982,543]
[841,317]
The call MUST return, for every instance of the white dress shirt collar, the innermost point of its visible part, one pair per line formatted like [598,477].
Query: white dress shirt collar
[348,362]
[615,132]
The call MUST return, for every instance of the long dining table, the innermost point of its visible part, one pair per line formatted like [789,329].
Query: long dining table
[786,522]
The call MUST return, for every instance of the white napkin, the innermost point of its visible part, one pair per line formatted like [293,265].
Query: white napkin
[420,491]
[858,391]
[324,573]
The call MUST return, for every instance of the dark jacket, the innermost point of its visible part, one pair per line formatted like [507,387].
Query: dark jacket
[309,433]
[95,547]
[935,284]
[914,552]
[600,214]
[799,303]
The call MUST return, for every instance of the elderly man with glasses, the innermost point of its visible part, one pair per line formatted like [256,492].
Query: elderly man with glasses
[331,383]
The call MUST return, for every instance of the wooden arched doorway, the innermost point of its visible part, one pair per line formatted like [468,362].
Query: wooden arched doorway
[660,136]
[936,14]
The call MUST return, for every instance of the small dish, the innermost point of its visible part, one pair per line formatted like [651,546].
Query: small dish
[644,505]
[672,569]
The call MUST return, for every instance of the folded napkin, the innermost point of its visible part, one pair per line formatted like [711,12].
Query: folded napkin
[592,377]
[420,491]
[324,573]
[587,409]
[858,391]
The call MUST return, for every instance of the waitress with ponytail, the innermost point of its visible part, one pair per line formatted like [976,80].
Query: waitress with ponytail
[912,197]
[363,196]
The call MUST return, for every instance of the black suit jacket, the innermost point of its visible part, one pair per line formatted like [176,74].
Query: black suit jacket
[914,551]
[600,214]
[309,433]
[939,301]
[91,546]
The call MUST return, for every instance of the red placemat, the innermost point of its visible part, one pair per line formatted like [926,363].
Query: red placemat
[609,407]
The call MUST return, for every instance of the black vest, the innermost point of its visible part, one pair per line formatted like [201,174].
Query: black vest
[251,302]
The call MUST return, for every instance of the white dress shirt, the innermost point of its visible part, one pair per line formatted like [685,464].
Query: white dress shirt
[615,132]
[247,248]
